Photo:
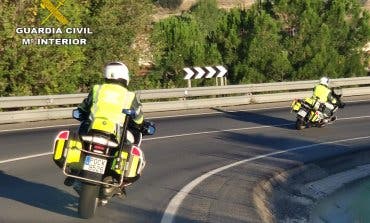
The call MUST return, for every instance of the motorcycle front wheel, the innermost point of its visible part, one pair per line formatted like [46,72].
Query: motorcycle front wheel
[88,200]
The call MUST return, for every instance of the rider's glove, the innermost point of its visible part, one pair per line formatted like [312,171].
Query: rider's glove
[148,128]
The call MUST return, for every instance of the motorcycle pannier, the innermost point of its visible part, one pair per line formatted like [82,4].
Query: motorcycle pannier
[132,164]
[296,105]
[67,149]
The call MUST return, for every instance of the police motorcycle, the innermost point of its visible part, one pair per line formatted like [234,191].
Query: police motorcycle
[99,163]
[312,113]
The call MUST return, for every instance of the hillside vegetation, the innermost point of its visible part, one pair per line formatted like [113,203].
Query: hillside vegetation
[276,41]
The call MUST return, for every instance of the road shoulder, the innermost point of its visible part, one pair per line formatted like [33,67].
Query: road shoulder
[291,196]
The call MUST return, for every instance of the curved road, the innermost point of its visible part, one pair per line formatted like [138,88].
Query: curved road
[241,148]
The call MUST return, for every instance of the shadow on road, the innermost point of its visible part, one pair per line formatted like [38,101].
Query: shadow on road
[37,195]
[258,118]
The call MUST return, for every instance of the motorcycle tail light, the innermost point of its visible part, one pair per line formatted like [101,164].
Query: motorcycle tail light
[135,151]
[99,149]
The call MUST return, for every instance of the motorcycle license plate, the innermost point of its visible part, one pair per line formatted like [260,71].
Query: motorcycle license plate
[302,113]
[95,164]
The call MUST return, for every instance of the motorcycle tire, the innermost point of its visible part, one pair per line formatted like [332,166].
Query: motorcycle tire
[299,124]
[88,200]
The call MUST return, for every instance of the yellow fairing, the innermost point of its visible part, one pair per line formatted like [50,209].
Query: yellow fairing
[132,169]
[124,156]
[315,104]
[104,124]
[67,151]
[309,101]
[129,165]
[314,117]
[296,105]
[74,151]
[58,150]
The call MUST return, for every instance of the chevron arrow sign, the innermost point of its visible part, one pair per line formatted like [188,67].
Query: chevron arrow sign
[204,72]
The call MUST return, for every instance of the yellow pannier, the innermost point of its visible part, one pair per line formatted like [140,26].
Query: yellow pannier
[67,149]
[296,105]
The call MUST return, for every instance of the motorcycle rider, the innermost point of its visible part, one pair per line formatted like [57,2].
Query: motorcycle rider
[108,100]
[324,96]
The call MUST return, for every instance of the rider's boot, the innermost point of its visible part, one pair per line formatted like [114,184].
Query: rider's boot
[69,181]
[103,202]
[121,193]
[333,118]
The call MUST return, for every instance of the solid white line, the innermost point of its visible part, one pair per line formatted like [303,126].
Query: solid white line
[173,206]
[25,157]
[240,129]
[356,117]
[39,127]
[185,134]
[232,111]
[216,131]
[155,138]
[218,112]
[170,116]
[159,117]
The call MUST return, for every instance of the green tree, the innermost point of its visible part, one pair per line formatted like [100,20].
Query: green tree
[266,55]
[232,28]
[326,39]
[116,24]
[33,69]
[275,41]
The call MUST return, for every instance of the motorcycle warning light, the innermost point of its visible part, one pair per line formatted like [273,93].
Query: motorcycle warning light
[63,135]
[135,151]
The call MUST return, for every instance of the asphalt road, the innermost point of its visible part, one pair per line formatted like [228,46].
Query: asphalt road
[184,148]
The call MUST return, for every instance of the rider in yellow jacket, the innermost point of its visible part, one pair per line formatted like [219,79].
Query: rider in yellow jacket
[322,90]
[102,109]
[106,102]
[323,94]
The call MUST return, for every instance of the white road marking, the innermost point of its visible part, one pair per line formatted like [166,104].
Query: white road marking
[154,138]
[240,129]
[159,117]
[25,157]
[356,117]
[216,131]
[169,116]
[241,110]
[182,135]
[176,201]
[39,127]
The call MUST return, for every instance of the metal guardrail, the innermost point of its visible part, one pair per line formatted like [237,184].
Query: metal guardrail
[179,98]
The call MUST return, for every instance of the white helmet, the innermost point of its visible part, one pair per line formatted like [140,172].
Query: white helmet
[116,71]
[324,81]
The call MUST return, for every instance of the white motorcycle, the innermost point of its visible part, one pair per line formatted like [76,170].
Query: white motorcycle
[100,165]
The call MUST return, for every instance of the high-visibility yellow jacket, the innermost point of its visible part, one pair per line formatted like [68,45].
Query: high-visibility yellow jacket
[104,106]
[322,92]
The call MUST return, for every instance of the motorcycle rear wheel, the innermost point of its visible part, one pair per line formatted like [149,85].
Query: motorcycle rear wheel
[88,200]
[299,124]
